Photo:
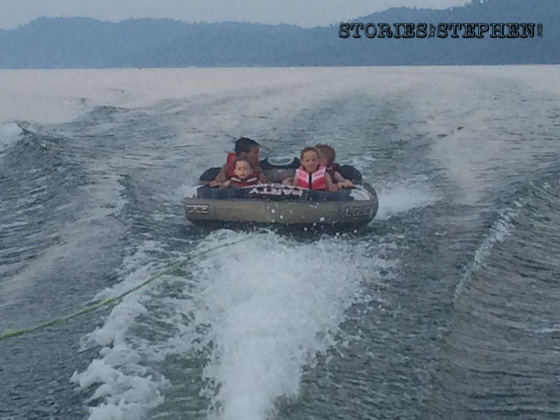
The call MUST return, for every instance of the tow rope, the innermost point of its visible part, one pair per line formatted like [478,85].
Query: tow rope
[9,333]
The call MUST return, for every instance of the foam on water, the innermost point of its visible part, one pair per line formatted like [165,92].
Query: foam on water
[499,231]
[9,134]
[126,387]
[261,309]
[186,191]
[269,306]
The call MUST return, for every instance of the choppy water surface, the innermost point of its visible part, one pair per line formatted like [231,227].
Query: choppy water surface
[445,308]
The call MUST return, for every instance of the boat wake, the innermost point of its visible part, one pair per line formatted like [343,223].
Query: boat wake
[258,312]
[9,135]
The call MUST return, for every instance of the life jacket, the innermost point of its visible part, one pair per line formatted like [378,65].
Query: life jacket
[230,161]
[253,179]
[332,169]
[314,181]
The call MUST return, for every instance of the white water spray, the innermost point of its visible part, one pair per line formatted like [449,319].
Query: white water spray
[269,306]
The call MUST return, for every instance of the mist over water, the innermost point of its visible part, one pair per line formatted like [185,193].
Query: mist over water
[444,308]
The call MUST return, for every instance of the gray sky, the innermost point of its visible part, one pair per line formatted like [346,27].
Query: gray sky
[298,12]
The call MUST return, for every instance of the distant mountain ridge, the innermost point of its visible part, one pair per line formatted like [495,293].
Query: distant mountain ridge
[87,43]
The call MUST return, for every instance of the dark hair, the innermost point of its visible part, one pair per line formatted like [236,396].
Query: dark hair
[244,144]
[308,149]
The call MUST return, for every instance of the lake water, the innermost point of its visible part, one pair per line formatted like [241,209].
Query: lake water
[445,308]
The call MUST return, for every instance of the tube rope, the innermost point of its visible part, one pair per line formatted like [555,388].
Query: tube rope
[8,333]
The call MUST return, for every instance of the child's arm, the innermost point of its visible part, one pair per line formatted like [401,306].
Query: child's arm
[338,177]
[221,178]
[289,181]
[329,183]
[342,182]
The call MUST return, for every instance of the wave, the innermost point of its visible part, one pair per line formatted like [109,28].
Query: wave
[9,135]
[503,337]
[499,231]
[257,312]
[529,202]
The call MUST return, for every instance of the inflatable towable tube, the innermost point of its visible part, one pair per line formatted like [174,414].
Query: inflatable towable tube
[277,204]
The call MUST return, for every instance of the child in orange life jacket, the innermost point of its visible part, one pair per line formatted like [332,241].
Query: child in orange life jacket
[311,175]
[244,174]
[327,156]
[245,146]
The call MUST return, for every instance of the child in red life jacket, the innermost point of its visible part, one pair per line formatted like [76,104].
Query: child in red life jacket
[244,175]
[327,156]
[311,175]
[243,145]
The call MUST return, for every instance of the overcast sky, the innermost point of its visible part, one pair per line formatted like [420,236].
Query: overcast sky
[298,12]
